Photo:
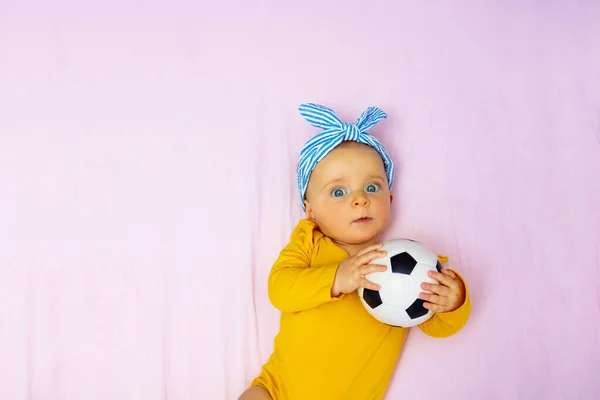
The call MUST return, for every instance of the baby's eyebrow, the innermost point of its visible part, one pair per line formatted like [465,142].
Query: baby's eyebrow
[342,180]
[328,183]
[376,177]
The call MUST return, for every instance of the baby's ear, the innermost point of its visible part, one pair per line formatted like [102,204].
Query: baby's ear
[310,214]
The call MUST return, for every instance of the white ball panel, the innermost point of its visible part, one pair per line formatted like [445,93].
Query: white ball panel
[391,315]
[422,254]
[393,247]
[378,277]
[419,275]
[398,291]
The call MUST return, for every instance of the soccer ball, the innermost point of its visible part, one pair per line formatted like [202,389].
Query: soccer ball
[397,303]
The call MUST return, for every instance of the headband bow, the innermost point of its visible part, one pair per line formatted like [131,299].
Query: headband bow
[336,132]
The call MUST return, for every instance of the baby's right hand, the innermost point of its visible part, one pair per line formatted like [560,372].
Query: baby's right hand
[351,272]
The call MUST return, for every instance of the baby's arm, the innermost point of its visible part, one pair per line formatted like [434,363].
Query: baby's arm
[444,324]
[293,285]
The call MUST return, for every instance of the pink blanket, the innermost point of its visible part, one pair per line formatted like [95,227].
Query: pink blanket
[147,183]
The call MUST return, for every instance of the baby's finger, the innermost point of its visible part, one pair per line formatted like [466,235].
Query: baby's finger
[439,289]
[368,257]
[376,246]
[367,284]
[448,272]
[434,307]
[433,298]
[443,279]
[369,268]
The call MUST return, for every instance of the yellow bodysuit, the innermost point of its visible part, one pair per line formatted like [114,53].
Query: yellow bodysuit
[331,348]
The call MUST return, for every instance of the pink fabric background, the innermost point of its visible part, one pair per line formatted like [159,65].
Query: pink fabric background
[147,155]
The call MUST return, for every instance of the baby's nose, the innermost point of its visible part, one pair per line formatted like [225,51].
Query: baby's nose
[361,200]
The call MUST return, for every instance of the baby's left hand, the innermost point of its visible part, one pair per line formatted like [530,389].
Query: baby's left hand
[445,297]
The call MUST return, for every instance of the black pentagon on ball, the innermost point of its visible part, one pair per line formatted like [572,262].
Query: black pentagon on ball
[438,266]
[403,263]
[372,298]
[416,309]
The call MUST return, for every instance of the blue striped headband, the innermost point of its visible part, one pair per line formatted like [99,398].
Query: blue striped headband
[335,132]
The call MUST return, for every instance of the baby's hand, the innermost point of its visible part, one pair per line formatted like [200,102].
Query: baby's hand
[351,272]
[447,296]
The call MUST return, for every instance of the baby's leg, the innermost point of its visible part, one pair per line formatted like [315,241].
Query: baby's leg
[255,393]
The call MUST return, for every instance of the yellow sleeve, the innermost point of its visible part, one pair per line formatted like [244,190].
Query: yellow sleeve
[294,285]
[448,323]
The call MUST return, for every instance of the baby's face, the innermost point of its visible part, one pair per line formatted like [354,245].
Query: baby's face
[348,195]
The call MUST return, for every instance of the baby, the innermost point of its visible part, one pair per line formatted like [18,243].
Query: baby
[329,347]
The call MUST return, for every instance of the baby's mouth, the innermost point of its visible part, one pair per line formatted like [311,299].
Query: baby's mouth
[363,219]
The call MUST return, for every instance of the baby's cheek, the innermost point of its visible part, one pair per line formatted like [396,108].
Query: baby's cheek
[383,201]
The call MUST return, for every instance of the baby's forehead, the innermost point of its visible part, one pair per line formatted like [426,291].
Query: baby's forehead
[350,162]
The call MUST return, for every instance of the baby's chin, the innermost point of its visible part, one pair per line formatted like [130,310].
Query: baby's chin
[360,238]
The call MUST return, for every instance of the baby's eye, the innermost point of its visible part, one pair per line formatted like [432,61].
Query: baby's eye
[338,192]
[373,187]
